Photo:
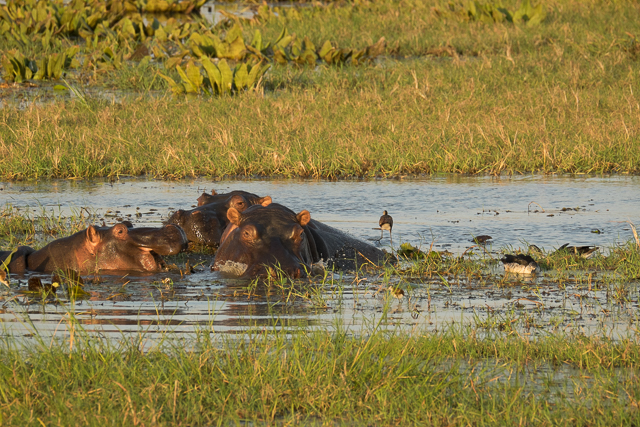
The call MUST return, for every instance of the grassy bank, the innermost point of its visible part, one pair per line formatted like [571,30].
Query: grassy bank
[407,118]
[454,94]
[451,378]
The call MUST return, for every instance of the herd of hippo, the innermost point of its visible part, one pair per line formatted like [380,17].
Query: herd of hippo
[254,237]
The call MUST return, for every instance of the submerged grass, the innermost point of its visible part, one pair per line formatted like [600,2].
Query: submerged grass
[386,378]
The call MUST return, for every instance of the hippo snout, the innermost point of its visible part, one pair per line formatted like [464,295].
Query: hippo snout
[177,239]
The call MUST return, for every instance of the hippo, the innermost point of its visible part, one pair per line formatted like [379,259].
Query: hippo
[206,223]
[102,248]
[215,197]
[261,238]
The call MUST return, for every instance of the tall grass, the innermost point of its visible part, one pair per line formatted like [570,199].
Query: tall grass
[385,378]
[408,118]
[453,96]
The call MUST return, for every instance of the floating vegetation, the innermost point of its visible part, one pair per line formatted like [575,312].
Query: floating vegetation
[216,79]
[17,68]
[115,32]
[494,11]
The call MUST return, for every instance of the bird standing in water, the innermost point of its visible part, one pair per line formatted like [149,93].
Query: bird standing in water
[521,264]
[386,223]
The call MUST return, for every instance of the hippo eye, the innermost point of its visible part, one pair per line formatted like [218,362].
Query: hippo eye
[296,234]
[249,233]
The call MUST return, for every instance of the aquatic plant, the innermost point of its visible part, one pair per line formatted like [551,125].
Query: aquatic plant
[494,11]
[17,68]
[218,78]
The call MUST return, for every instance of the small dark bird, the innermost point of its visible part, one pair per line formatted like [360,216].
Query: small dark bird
[481,240]
[521,264]
[397,293]
[584,251]
[534,248]
[386,223]
[35,285]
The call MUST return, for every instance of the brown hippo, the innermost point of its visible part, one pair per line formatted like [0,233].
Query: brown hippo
[102,248]
[261,238]
[206,223]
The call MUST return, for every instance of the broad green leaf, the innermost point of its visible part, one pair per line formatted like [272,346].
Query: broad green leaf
[226,76]
[236,49]
[296,48]
[234,33]
[308,57]
[215,78]
[172,62]
[188,86]
[160,35]
[197,51]
[175,87]
[537,16]
[41,74]
[307,44]
[257,40]
[283,40]
[256,73]
[241,77]
[280,56]
[325,49]
[377,49]
[220,47]
[193,73]
[7,69]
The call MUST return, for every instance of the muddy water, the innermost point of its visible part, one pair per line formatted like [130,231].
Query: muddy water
[445,210]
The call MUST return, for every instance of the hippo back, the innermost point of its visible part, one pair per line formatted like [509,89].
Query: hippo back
[340,250]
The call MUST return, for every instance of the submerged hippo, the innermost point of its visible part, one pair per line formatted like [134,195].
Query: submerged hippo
[102,248]
[206,223]
[214,197]
[261,238]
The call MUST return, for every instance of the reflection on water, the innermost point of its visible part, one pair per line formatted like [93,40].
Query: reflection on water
[447,210]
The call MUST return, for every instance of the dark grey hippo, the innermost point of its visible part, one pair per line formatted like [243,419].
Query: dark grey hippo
[261,239]
[206,223]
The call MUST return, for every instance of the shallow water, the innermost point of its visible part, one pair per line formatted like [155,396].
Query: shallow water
[446,210]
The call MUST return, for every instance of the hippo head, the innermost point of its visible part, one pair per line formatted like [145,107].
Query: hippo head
[123,248]
[110,248]
[261,240]
[214,197]
[206,223]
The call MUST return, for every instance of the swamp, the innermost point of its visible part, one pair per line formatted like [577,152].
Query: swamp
[483,127]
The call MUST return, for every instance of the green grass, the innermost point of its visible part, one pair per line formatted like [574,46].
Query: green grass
[385,378]
[460,96]
[407,118]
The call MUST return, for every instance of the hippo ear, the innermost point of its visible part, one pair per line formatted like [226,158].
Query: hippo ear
[265,201]
[213,192]
[92,235]
[234,216]
[303,217]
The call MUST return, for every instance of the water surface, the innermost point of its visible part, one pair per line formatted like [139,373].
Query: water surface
[444,210]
